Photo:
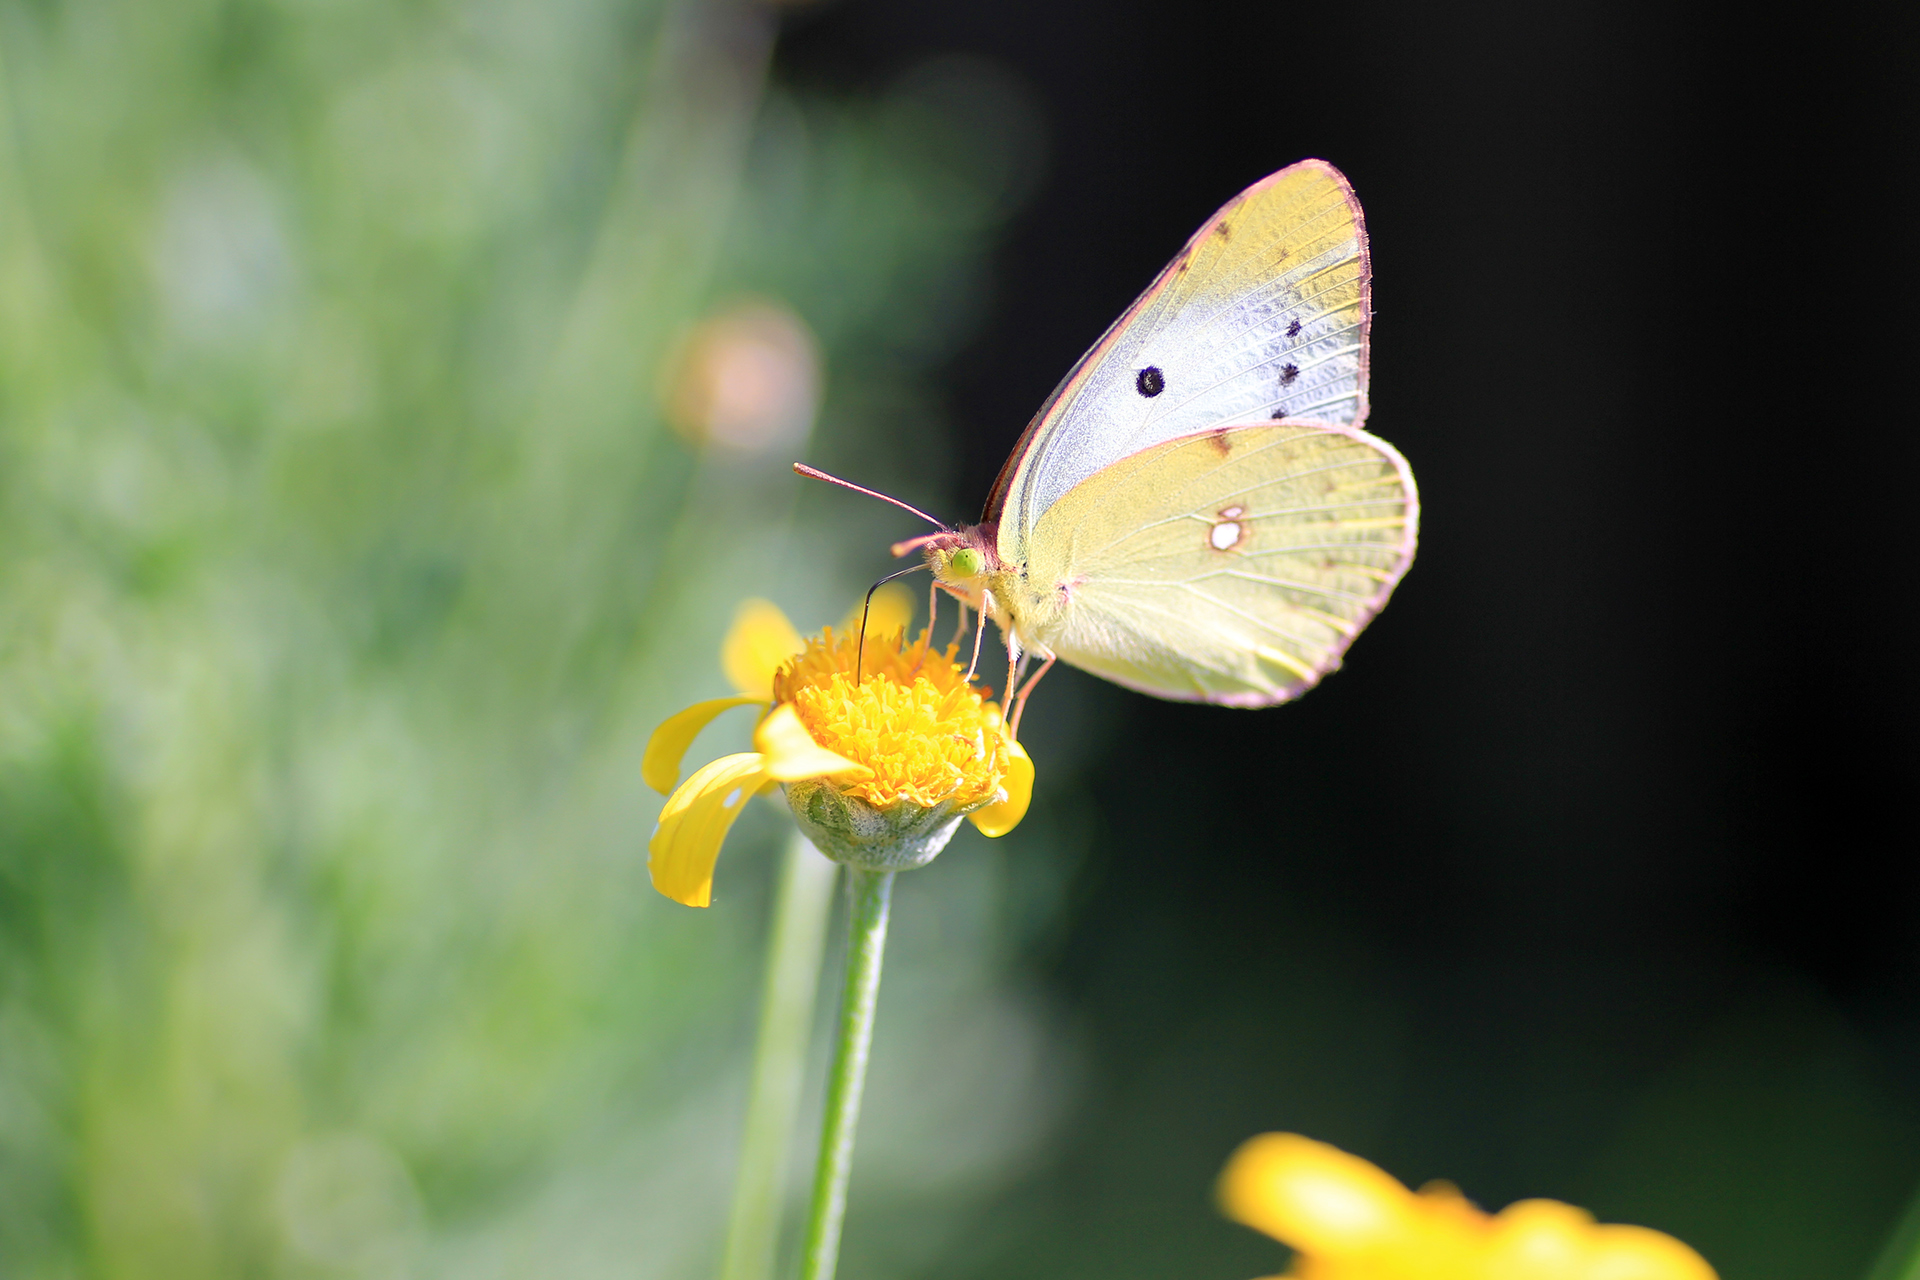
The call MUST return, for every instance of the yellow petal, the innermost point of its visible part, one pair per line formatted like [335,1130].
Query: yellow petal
[1641,1253]
[681,854]
[1547,1238]
[758,642]
[1317,1198]
[792,754]
[1538,1238]
[660,767]
[998,819]
[891,611]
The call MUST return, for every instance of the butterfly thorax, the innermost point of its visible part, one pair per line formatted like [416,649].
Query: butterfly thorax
[1033,617]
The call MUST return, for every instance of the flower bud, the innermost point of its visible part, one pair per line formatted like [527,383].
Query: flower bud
[849,829]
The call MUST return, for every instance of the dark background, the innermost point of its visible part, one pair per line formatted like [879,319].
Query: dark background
[1592,876]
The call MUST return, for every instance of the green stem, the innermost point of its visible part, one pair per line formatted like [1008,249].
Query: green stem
[797,936]
[1900,1257]
[866,940]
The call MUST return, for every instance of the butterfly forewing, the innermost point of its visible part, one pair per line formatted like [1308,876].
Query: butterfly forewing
[1233,566]
[1262,316]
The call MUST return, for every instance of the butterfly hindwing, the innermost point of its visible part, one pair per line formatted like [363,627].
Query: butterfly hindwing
[1262,316]
[1233,566]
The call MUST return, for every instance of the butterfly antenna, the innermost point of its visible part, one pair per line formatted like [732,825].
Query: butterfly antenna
[860,652]
[817,474]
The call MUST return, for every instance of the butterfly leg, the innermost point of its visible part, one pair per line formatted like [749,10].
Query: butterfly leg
[978,635]
[1020,703]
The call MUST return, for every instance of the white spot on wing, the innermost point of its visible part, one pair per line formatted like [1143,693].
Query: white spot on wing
[1232,513]
[1224,535]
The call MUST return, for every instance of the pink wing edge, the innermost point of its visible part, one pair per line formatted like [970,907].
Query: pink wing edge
[997,496]
[1374,604]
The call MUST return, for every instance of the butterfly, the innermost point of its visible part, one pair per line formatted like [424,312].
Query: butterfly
[1196,512]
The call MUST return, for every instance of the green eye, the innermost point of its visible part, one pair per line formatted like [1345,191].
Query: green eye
[965,563]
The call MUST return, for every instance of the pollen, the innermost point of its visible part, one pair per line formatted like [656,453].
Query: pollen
[927,734]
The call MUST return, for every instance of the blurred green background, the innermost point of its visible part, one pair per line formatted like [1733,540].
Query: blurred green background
[397,398]
[346,563]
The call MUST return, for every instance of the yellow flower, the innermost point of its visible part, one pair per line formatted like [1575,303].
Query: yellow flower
[878,774]
[1348,1220]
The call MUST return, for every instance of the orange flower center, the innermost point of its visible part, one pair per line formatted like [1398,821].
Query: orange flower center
[914,719]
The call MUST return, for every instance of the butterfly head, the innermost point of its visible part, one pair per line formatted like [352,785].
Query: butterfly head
[962,560]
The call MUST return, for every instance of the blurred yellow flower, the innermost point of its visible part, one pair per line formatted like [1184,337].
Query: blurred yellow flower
[878,773]
[1348,1220]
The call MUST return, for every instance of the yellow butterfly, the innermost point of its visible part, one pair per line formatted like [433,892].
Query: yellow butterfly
[1195,512]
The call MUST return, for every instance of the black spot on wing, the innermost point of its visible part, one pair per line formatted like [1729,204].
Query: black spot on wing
[1293,328]
[1288,372]
[1149,382]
